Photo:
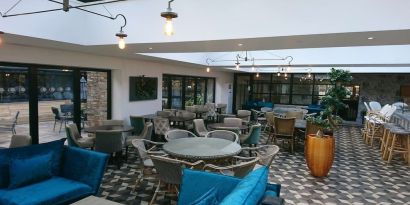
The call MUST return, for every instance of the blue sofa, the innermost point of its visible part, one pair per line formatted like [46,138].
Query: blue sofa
[49,173]
[199,187]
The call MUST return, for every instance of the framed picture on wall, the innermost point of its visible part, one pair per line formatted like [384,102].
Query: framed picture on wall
[143,88]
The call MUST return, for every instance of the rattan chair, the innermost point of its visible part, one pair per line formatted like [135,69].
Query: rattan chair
[299,115]
[177,134]
[161,126]
[20,141]
[199,127]
[375,106]
[265,153]
[146,134]
[223,134]
[285,129]
[241,166]
[144,154]
[170,172]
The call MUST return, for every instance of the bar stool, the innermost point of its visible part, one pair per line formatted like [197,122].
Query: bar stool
[397,145]
[374,131]
[386,133]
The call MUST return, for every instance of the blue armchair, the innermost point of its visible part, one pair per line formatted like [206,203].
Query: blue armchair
[49,173]
[252,189]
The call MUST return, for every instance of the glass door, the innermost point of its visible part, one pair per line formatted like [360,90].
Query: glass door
[176,92]
[14,103]
[55,103]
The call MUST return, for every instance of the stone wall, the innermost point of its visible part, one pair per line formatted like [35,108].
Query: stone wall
[96,105]
[384,88]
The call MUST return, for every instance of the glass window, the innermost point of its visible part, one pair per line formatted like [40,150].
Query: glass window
[176,93]
[280,99]
[243,88]
[165,85]
[200,95]
[280,88]
[210,90]
[301,99]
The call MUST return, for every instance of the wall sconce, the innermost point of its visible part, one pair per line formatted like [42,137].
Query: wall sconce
[169,15]
[121,35]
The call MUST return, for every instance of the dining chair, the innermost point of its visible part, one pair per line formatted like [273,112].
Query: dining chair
[113,122]
[189,125]
[177,134]
[110,142]
[285,129]
[375,106]
[10,125]
[299,115]
[20,141]
[138,123]
[211,114]
[222,107]
[245,115]
[200,128]
[265,153]
[161,126]
[145,148]
[240,167]
[75,139]
[253,136]
[145,134]
[223,134]
[58,118]
[170,172]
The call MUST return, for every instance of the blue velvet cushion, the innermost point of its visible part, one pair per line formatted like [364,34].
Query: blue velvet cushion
[53,191]
[196,183]
[30,170]
[209,198]
[8,155]
[250,190]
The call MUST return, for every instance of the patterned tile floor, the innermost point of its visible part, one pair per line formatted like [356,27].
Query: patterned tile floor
[358,176]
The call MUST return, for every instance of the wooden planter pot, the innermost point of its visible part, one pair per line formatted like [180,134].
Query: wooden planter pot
[319,154]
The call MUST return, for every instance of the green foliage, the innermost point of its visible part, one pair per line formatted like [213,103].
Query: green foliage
[333,100]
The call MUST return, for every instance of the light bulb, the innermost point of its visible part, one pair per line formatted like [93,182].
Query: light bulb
[309,75]
[286,75]
[253,68]
[169,27]
[121,43]
[208,70]
[257,75]
[288,69]
[278,74]
[237,66]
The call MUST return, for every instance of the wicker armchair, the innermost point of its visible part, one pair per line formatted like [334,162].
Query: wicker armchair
[240,167]
[144,156]
[145,134]
[176,134]
[223,134]
[161,126]
[265,153]
[170,171]
[285,129]
[299,115]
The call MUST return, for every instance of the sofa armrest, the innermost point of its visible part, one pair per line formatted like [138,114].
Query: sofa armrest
[84,166]
[196,183]
[273,187]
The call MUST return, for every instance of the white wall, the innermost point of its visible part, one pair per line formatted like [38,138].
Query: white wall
[122,69]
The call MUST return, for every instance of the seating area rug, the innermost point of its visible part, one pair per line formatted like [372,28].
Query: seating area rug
[358,176]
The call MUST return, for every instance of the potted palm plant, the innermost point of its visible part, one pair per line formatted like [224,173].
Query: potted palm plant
[320,143]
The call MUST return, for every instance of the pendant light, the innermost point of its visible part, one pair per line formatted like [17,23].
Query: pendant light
[169,15]
[208,69]
[121,35]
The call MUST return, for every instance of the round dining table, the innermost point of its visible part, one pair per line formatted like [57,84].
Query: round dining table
[120,128]
[201,148]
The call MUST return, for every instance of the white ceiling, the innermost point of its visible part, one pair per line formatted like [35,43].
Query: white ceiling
[317,33]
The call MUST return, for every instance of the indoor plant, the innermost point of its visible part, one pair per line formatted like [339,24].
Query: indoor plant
[320,143]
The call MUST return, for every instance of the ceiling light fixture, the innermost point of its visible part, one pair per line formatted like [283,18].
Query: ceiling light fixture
[243,57]
[370,38]
[169,15]
[150,48]
[257,75]
[121,35]
[240,44]
[208,69]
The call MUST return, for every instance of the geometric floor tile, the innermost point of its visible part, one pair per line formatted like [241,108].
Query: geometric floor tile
[358,176]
